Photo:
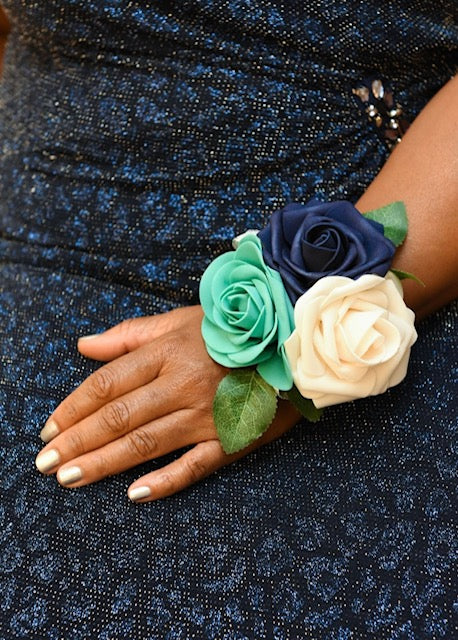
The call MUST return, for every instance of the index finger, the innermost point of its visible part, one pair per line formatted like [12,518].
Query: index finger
[112,380]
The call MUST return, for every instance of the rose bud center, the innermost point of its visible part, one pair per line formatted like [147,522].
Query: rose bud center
[323,248]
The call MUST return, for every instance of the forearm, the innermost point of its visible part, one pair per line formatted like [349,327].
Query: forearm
[423,172]
[4,30]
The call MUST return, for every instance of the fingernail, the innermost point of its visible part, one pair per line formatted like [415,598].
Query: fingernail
[138,493]
[93,335]
[69,475]
[49,431]
[47,460]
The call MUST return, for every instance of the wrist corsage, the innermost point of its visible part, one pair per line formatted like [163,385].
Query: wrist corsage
[308,310]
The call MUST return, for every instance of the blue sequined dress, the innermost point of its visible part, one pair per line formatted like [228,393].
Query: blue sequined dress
[136,139]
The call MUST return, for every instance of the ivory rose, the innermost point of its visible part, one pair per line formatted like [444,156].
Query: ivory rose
[352,338]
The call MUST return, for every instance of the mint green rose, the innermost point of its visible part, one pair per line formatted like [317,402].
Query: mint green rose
[248,314]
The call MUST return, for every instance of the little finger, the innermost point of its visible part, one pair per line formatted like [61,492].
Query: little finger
[194,465]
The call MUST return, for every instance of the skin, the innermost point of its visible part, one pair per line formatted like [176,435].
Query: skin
[4,30]
[423,172]
[155,393]
[154,396]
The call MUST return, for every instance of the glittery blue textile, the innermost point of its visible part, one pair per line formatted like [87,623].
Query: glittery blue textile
[136,138]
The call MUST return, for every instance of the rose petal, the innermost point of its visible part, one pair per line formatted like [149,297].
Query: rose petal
[247,313]
[368,338]
[352,339]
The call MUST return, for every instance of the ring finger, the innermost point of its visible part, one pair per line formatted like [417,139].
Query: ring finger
[140,445]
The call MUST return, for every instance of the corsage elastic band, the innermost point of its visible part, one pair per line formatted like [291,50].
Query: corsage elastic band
[307,309]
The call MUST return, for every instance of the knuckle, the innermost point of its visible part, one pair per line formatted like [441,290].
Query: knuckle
[199,378]
[126,326]
[143,444]
[71,411]
[168,483]
[171,347]
[102,384]
[115,417]
[195,467]
[102,466]
[131,332]
[74,441]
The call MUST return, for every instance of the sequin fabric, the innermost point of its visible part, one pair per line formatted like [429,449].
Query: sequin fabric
[135,140]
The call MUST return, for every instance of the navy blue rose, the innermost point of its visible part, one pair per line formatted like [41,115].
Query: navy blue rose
[308,242]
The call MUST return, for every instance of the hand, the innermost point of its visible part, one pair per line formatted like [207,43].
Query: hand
[154,396]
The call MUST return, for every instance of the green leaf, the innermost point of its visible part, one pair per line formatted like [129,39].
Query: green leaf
[404,275]
[304,405]
[243,408]
[393,217]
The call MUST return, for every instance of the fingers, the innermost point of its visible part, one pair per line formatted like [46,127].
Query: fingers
[104,385]
[136,447]
[134,333]
[114,420]
[120,339]
[195,465]
[202,460]
[156,439]
[153,398]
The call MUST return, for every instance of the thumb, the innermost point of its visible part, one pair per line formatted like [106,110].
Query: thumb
[132,334]
[120,339]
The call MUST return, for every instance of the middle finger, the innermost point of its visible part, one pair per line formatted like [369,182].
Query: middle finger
[112,421]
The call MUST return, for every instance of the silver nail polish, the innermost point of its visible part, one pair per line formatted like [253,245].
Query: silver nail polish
[138,493]
[47,460]
[49,431]
[69,475]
